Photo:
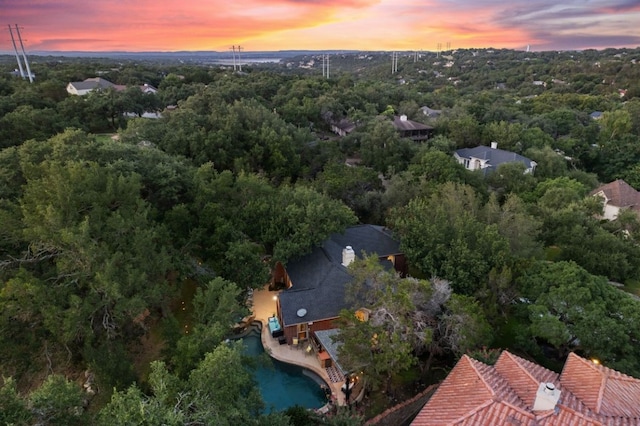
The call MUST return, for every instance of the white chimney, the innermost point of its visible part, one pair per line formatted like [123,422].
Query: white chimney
[403,117]
[546,398]
[348,255]
[494,145]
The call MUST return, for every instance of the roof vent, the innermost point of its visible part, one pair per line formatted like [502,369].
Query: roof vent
[301,312]
[547,397]
[348,255]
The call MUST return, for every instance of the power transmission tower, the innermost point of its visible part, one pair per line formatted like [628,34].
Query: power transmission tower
[328,65]
[233,49]
[325,65]
[394,62]
[24,55]
[239,61]
[16,50]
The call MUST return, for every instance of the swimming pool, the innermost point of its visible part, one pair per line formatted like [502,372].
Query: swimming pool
[285,385]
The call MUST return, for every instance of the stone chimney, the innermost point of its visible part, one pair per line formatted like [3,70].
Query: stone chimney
[494,145]
[348,255]
[546,398]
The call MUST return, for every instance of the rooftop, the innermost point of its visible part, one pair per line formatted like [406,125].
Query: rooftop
[319,278]
[475,393]
[619,193]
[494,156]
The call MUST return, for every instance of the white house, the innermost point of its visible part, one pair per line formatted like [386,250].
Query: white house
[488,159]
[82,88]
[617,196]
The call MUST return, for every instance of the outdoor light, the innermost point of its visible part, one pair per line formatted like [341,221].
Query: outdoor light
[275,297]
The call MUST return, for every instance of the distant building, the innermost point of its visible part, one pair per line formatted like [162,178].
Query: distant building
[433,113]
[87,86]
[16,73]
[617,196]
[342,127]
[489,159]
[147,88]
[516,391]
[412,129]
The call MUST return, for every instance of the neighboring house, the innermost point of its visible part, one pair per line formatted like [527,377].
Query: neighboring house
[82,88]
[515,391]
[489,159]
[596,115]
[24,74]
[147,88]
[315,283]
[342,127]
[433,113]
[412,129]
[616,196]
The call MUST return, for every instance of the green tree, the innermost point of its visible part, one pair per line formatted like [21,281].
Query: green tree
[384,150]
[453,244]
[13,408]
[574,310]
[57,402]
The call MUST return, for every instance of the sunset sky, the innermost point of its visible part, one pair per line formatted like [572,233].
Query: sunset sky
[170,25]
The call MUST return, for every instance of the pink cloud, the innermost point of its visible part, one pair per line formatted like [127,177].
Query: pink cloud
[311,24]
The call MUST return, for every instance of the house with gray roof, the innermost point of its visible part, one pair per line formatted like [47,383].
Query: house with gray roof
[488,159]
[88,85]
[314,284]
[412,129]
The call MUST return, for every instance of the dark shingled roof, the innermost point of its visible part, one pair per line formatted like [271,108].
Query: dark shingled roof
[403,123]
[319,278]
[494,156]
[325,337]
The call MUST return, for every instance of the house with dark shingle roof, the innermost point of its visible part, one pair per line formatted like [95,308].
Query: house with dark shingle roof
[342,127]
[412,129]
[515,391]
[314,284]
[616,196]
[488,159]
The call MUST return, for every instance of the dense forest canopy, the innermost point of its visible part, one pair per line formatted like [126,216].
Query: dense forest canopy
[106,215]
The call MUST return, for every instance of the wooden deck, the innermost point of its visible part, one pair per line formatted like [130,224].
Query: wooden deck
[264,306]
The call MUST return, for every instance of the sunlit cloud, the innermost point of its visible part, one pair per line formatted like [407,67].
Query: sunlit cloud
[166,25]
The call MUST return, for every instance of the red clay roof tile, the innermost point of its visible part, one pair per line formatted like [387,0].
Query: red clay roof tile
[481,395]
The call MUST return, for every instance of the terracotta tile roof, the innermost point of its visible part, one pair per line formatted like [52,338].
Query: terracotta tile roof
[523,376]
[619,193]
[603,390]
[478,394]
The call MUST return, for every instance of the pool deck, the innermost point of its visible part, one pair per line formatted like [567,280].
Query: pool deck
[264,306]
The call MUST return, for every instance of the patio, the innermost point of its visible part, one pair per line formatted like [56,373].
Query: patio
[264,306]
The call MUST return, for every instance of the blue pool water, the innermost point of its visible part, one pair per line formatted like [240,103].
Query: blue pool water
[285,385]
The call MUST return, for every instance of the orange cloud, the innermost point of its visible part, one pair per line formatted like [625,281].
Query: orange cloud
[317,24]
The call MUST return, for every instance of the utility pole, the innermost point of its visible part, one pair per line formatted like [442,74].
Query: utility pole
[233,49]
[16,50]
[239,61]
[325,65]
[24,55]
